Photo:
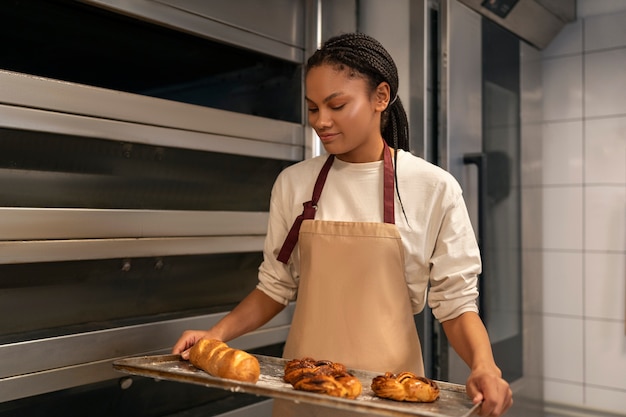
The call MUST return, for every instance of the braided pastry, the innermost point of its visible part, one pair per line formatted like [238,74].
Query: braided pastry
[322,377]
[405,386]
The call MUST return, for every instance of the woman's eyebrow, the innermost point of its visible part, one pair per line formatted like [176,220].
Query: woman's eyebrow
[327,99]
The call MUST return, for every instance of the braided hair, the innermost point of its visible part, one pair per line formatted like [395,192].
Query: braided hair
[365,55]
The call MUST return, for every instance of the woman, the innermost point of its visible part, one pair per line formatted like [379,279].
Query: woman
[379,226]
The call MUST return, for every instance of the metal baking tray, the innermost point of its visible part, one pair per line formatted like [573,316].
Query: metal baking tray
[452,402]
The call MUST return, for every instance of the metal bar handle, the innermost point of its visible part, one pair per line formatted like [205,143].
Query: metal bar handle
[480,160]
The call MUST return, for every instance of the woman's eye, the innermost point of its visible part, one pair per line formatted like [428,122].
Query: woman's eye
[339,107]
[312,110]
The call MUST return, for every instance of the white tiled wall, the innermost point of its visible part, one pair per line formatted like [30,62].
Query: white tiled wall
[563,144]
[605,146]
[574,166]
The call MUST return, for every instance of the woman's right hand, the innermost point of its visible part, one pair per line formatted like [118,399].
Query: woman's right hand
[187,340]
[252,312]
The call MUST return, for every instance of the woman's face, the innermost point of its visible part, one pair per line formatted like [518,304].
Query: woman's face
[345,113]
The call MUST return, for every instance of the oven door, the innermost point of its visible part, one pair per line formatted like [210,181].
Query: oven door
[471,122]
[136,163]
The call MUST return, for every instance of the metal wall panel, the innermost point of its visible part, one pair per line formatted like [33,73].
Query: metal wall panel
[153,119]
[280,20]
[279,35]
[460,115]
[89,243]
[535,21]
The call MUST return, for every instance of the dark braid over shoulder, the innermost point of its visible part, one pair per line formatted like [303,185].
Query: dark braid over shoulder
[367,57]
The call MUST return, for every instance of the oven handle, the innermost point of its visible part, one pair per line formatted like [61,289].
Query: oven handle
[480,160]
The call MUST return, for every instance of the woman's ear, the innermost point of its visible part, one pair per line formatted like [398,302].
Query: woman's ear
[382,96]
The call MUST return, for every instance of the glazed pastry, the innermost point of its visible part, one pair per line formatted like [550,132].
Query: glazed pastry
[405,386]
[322,377]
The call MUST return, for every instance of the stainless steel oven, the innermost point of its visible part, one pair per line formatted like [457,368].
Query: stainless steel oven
[138,145]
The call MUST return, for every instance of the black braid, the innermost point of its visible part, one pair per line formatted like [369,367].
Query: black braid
[366,56]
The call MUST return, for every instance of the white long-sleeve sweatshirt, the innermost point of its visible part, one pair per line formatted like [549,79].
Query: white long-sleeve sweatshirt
[439,242]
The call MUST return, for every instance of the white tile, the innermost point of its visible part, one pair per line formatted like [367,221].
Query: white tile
[605,31]
[605,218]
[531,154]
[532,282]
[569,41]
[562,88]
[605,285]
[605,354]
[563,348]
[586,8]
[530,84]
[605,151]
[605,83]
[562,153]
[532,209]
[563,270]
[533,349]
[606,400]
[563,393]
[562,219]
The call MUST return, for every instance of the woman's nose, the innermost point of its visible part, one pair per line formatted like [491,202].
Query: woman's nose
[322,120]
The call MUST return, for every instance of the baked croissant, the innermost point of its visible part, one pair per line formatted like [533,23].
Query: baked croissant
[322,377]
[405,386]
[218,359]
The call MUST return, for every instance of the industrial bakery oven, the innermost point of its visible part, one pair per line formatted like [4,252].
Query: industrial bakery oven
[138,145]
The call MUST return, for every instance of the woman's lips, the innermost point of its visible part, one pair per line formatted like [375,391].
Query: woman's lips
[327,137]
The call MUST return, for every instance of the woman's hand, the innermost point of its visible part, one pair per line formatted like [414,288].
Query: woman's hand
[469,338]
[187,340]
[252,312]
[488,386]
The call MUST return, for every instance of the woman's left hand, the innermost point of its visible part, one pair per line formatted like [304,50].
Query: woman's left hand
[487,386]
[468,336]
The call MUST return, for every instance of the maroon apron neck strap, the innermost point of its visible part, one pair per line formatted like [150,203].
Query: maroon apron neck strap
[307,213]
[311,206]
[388,179]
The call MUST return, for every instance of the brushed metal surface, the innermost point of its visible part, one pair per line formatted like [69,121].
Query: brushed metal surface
[85,107]
[535,21]
[218,20]
[43,365]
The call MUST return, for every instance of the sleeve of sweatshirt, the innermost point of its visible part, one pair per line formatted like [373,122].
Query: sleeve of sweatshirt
[277,280]
[455,263]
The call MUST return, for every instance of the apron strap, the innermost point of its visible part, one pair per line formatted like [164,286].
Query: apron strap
[388,177]
[310,206]
[307,213]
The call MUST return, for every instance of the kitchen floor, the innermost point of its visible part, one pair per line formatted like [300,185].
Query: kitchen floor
[525,409]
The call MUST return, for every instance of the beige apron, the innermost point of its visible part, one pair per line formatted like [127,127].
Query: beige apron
[353,303]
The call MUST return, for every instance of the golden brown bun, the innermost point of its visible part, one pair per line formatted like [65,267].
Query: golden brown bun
[322,377]
[218,359]
[405,386]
